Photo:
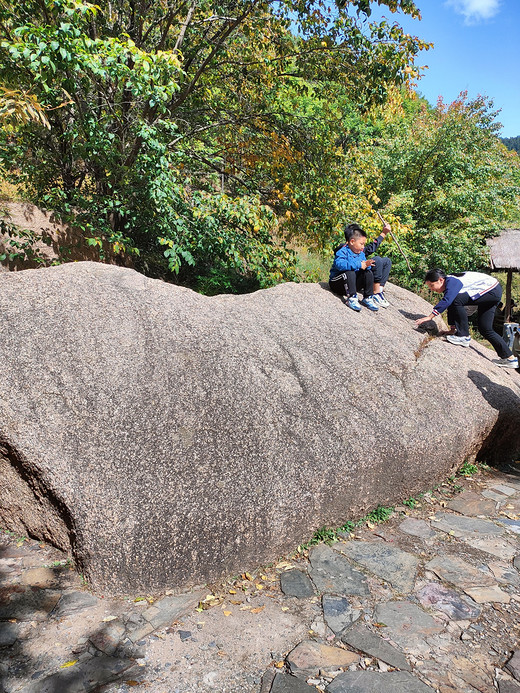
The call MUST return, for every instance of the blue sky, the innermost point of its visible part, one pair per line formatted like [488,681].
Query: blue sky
[477,48]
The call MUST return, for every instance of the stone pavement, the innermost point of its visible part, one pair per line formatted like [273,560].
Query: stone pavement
[426,601]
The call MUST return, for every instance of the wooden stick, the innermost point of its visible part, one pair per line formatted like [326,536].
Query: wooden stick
[395,239]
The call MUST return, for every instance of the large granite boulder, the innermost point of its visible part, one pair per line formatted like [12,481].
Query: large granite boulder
[168,438]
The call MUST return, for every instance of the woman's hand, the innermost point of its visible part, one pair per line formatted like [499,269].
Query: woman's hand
[425,319]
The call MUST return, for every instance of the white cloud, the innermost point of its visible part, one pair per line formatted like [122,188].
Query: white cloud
[475,10]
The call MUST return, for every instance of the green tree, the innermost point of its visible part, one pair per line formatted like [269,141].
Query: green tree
[444,174]
[163,118]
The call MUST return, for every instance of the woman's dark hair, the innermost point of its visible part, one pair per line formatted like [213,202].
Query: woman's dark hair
[434,275]
[354,231]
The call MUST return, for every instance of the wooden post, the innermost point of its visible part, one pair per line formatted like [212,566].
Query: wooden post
[507,312]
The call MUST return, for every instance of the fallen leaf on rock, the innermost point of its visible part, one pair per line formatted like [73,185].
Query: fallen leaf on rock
[258,609]
[247,576]
[232,591]
[235,601]
[69,664]
[228,613]
[222,653]
[245,607]
[284,565]
[109,618]
[279,665]
[285,608]
[259,586]
[132,683]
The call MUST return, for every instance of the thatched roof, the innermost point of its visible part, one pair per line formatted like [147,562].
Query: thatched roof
[505,250]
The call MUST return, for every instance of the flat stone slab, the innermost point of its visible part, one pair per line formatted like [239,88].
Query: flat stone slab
[361,638]
[285,683]
[8,634]
[108,638]
[338,612]
[513,665]
[506,489]
[169,609]
[332,573]
[470,527]
[387,562]
[513,525]
[296,583]
[493,495]
[310,656]
[416,528]
[505,573]
[508,687]
[27,604]
[472,504]
[406,624]
[377,682]
[84,676]
[492,593]
[501,548]
[72,602]
[456,571]
[451,603]
[39,577]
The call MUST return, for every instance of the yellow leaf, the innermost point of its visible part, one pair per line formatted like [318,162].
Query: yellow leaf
[235,601]
[227,613]
[247,576]
[69,664]
[279,665]
[285,608]
[232,591]
[259,586]
[258,609]
[370,525]
[245,607]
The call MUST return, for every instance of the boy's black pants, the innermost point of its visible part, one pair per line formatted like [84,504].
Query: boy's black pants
[486,305]
[350,282]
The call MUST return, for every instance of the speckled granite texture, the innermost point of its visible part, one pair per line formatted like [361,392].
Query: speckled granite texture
[170,438]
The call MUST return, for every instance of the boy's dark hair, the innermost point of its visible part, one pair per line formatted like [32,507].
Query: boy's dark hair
[434,275]
[354,231]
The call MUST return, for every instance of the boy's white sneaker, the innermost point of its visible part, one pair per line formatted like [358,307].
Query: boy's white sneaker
[380,300]
[352,302]
[507,363]
[368,302]
[461,341]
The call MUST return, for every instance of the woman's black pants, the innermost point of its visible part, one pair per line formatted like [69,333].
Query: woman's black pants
[486,306]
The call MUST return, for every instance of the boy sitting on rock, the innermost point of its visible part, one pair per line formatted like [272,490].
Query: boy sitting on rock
[352,272]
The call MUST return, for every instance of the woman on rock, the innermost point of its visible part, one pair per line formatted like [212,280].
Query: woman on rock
[469,289]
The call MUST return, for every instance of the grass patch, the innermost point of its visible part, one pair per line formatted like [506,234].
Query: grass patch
[382,513]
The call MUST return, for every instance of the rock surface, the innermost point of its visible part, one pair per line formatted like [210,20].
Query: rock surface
[168,438]
[244,635]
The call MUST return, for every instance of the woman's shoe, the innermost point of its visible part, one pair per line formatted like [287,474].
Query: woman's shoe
[507,363]
[461,341]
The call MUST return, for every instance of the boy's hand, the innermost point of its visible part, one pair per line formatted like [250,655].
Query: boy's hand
[365,264]
[386,229]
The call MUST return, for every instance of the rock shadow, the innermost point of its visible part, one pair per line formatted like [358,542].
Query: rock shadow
[501,447]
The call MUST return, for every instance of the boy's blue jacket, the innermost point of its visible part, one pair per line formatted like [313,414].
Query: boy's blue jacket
[345,259]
